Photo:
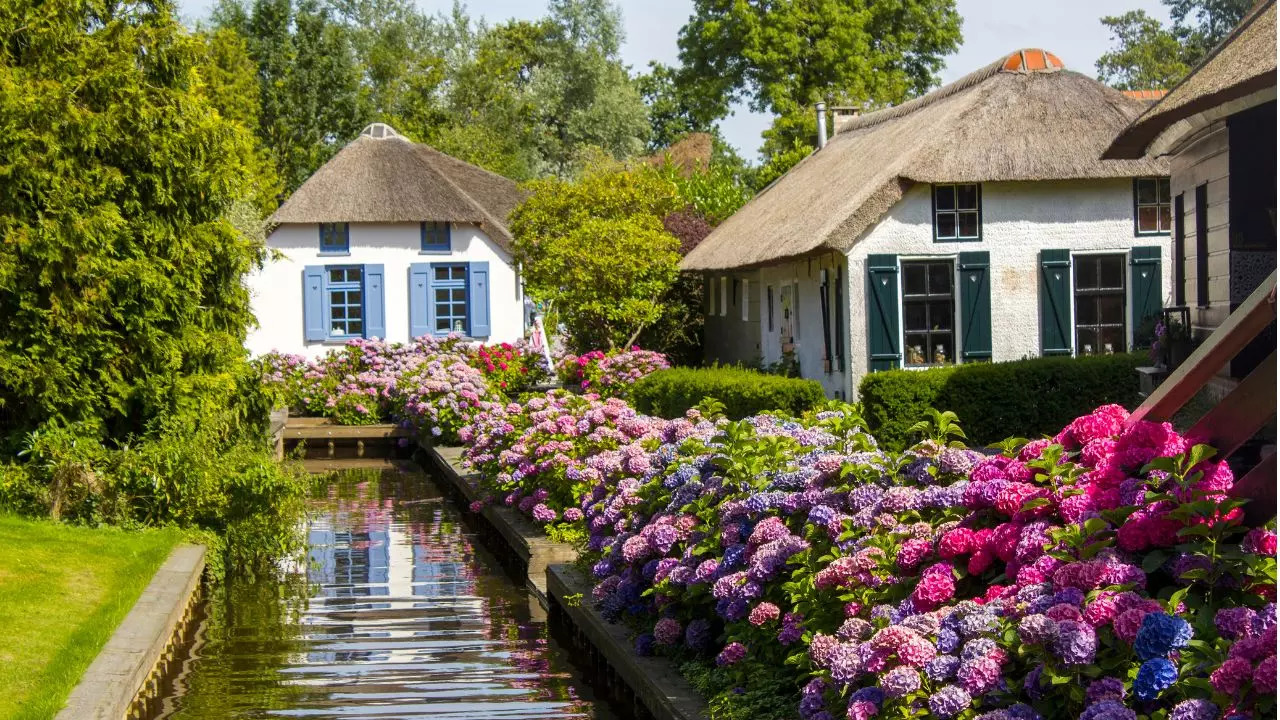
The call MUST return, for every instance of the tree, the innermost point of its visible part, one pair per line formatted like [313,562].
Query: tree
[784,57]
[120,280]
[1147,55]
[596,250]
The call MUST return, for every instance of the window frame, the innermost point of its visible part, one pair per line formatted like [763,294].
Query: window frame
[768,301]
[345,286]
[933,212]
[435,285]
[1137,207]
[427,229]
[1202,244]
[746,300]
[1124,257]
[928,298]
[724,296]
[330,230]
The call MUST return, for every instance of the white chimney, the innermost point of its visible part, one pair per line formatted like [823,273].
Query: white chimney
[822,125]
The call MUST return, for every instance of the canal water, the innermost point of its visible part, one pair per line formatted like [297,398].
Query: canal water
[399,613]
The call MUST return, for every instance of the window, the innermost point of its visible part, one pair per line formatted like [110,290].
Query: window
[928,312]
[768,301]
[841,327]
[335,238]
[746,301]
[1202,245]
[1151,210]
[1179,251]
[345,287]
[435,237]
[957,212]
[711,296]
[449,298]
[1100,300]
[724,296]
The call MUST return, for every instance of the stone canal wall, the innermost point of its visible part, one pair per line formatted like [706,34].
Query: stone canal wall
[649,687]
[123,680]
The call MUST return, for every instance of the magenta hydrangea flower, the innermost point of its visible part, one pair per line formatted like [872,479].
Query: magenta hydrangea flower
[732,654]
[763,613]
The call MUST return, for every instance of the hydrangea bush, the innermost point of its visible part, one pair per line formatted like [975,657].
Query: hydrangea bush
[610,374]
[1102,573]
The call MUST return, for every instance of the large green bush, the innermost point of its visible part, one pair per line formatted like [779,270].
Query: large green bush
[669,393]
[995,401]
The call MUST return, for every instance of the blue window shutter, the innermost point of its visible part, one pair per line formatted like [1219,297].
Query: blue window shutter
[375,311]
[419,299]
[883,332]
[975,306]
[313,315]
[478,298]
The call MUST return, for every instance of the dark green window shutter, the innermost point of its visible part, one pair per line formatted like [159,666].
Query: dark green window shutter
[883,336]
[1146,281]
[1055,302]
[975,306]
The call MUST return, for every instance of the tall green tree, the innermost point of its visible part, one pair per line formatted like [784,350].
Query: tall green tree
[784,57]
[120,279]
[1147,54]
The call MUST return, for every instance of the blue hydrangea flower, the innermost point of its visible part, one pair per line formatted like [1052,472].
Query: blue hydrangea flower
[1160,635]
[1154,677]
[1108,710]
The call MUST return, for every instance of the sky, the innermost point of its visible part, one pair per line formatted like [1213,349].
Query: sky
[992,28]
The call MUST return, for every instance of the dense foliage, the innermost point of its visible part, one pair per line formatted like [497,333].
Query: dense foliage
[998,400]
[741,392]
[1148,55]
[1101,573]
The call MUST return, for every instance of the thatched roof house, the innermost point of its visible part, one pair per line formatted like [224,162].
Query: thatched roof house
[382,176]
[1243,64]
[1023,117]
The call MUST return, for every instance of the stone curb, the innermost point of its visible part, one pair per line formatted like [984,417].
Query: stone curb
[525,541]
[654,682]
[127,664]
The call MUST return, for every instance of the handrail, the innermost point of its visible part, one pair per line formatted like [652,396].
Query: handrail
[1242,326]
[1241,413]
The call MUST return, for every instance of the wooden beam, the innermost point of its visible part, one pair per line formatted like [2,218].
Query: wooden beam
[1259,486]
[1251,318]
[1242,413]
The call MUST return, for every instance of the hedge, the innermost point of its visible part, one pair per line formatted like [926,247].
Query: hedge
[669,393]
[994,401]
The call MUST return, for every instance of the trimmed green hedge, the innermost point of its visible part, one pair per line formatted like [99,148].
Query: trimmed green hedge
[669,393]
[994,401]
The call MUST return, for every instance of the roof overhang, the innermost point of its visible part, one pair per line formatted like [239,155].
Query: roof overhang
[1157,134]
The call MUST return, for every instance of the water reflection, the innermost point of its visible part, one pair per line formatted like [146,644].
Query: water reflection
[398,615]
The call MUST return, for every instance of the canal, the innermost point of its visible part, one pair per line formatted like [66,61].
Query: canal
[398,613]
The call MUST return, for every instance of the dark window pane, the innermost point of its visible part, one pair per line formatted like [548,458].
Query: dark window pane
[1087,310]
[968,224]
[1111,340]
[1086,273]
[1110,309]
[1166,219]
[945,196]
[939,278]
[339,312]
[1086,341]
[915,317]
[442,324]
[942,350]
[916,347]
[442,273]
[946,225]
[940,315]
[459,295]
[1148,219]
[459,273]
[1147,192]
[967,197]
[1112,271]
[913,279]
[336,297]
[442,295]
[1164,190]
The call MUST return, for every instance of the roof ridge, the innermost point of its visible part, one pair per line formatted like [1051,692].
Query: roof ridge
[499,225]
[955,87]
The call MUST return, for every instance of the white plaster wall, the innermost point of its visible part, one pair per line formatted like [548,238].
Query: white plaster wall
[1019,220]
[806,276]
[276,290]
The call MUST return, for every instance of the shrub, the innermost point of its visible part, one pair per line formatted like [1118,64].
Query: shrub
[998,400]
[609,375]
[670,393]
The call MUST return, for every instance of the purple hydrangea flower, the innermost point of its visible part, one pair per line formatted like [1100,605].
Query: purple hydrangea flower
[900,681]
[949,701]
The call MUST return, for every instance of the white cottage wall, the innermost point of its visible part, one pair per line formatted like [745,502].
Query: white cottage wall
[276,290]
[1019,220]
[805,277]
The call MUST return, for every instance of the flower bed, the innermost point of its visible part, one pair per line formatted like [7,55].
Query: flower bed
[1102,574]
[609,375]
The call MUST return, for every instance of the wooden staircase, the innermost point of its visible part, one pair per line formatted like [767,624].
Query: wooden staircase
[1244,411]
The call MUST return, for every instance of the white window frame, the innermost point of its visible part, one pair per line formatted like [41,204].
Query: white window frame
[724,296]
[746,300]
[1127,252]
[957,334]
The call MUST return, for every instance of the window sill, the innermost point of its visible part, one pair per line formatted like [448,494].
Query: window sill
[958,240]
[440,251]
[334,253]
[1152,233]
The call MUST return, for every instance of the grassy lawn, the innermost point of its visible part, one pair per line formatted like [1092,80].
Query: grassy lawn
[63,591]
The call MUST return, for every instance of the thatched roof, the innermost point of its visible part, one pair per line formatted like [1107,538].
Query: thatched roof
[689,154]
[1022,117]
[1242,64]
[383,177]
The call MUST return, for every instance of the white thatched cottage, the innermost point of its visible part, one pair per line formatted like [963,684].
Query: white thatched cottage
[389,239]
[975,223]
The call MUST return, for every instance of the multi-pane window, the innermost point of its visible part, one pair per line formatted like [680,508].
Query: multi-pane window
[449,301]
[1151,202]
[928,312]
[435,237]
[957,212]
[1099,291]
[335,238]
[345,286]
